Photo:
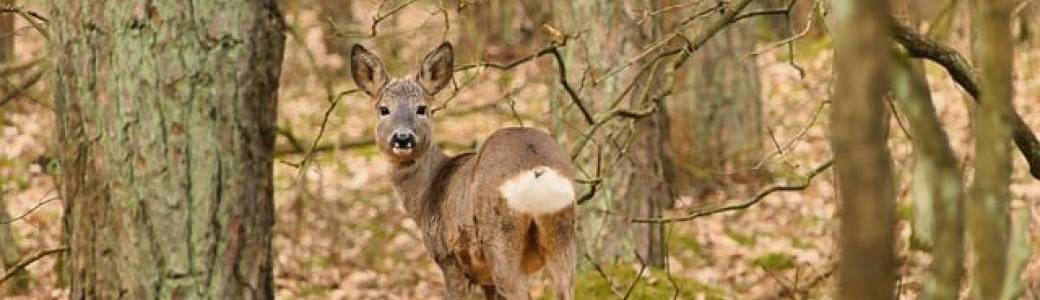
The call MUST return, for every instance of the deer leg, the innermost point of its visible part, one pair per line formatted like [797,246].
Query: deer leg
[489,292]
[505,251]
[559,246]
[455,282]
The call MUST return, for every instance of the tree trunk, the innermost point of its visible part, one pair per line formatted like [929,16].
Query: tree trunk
[937,190]
[166,123]
[988,209]
[7,34]
[9,253]
[720,113]
[650,171]
[861,159]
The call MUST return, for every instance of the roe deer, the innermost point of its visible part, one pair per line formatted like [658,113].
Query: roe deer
[489,218]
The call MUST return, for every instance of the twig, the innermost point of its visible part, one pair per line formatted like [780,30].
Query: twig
[639,276]
[758,198]
[16,67]
[599,269]
[28,15]
[321,131]
[31,210]
[899,120]
[552,48]
[788,40]
[11,8]
[29,260]
[790,143]
[20,88]
[378,18]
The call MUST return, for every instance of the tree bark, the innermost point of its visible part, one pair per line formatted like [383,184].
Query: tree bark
[649,171]
[988,222]
[720,112]
[861,158]
[7,34]
[937,191]
[166,125]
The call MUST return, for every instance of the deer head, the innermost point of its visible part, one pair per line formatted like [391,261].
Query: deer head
[402,104]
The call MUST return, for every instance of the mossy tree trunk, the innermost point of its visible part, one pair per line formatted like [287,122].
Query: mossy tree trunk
[988,220]
[165,124]
[937,190]
[861,159]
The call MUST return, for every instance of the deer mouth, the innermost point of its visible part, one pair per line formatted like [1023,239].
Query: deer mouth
[402,148]
[401,151]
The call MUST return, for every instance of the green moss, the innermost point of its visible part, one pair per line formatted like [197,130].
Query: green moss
[774,261]
[680,242]
[367,151]
[740,238]
[801,243]
[313,291]
[905,211]
[591,285]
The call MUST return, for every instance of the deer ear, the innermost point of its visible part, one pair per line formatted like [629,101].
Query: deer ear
[437,68]
[367,70]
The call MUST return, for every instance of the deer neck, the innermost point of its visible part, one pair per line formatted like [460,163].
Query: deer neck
[413,181]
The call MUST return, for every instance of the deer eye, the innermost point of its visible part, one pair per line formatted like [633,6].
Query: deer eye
[421,110]
[384,111]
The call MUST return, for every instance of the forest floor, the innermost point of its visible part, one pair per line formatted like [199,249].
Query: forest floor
[341,234]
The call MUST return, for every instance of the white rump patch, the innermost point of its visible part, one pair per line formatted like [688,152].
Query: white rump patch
[540,190]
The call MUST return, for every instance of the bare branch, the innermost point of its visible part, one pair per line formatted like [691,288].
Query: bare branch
[639,276]
[599,269]
[46,200]
[20,88]
[740,206]
[29,260]
[554,49]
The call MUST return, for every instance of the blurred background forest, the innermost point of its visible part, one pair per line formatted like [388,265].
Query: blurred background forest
[745,115]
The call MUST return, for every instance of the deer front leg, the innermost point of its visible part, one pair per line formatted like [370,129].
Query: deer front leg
[505,253]
[455,281]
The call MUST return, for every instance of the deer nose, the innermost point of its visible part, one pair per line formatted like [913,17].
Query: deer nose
[403,139]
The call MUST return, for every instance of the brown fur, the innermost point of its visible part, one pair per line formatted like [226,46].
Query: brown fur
[468,228]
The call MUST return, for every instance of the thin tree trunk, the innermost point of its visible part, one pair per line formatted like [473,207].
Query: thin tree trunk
[8,245]
[988,209]
[862,163]
[937,190]
[166,124]
[7,34]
